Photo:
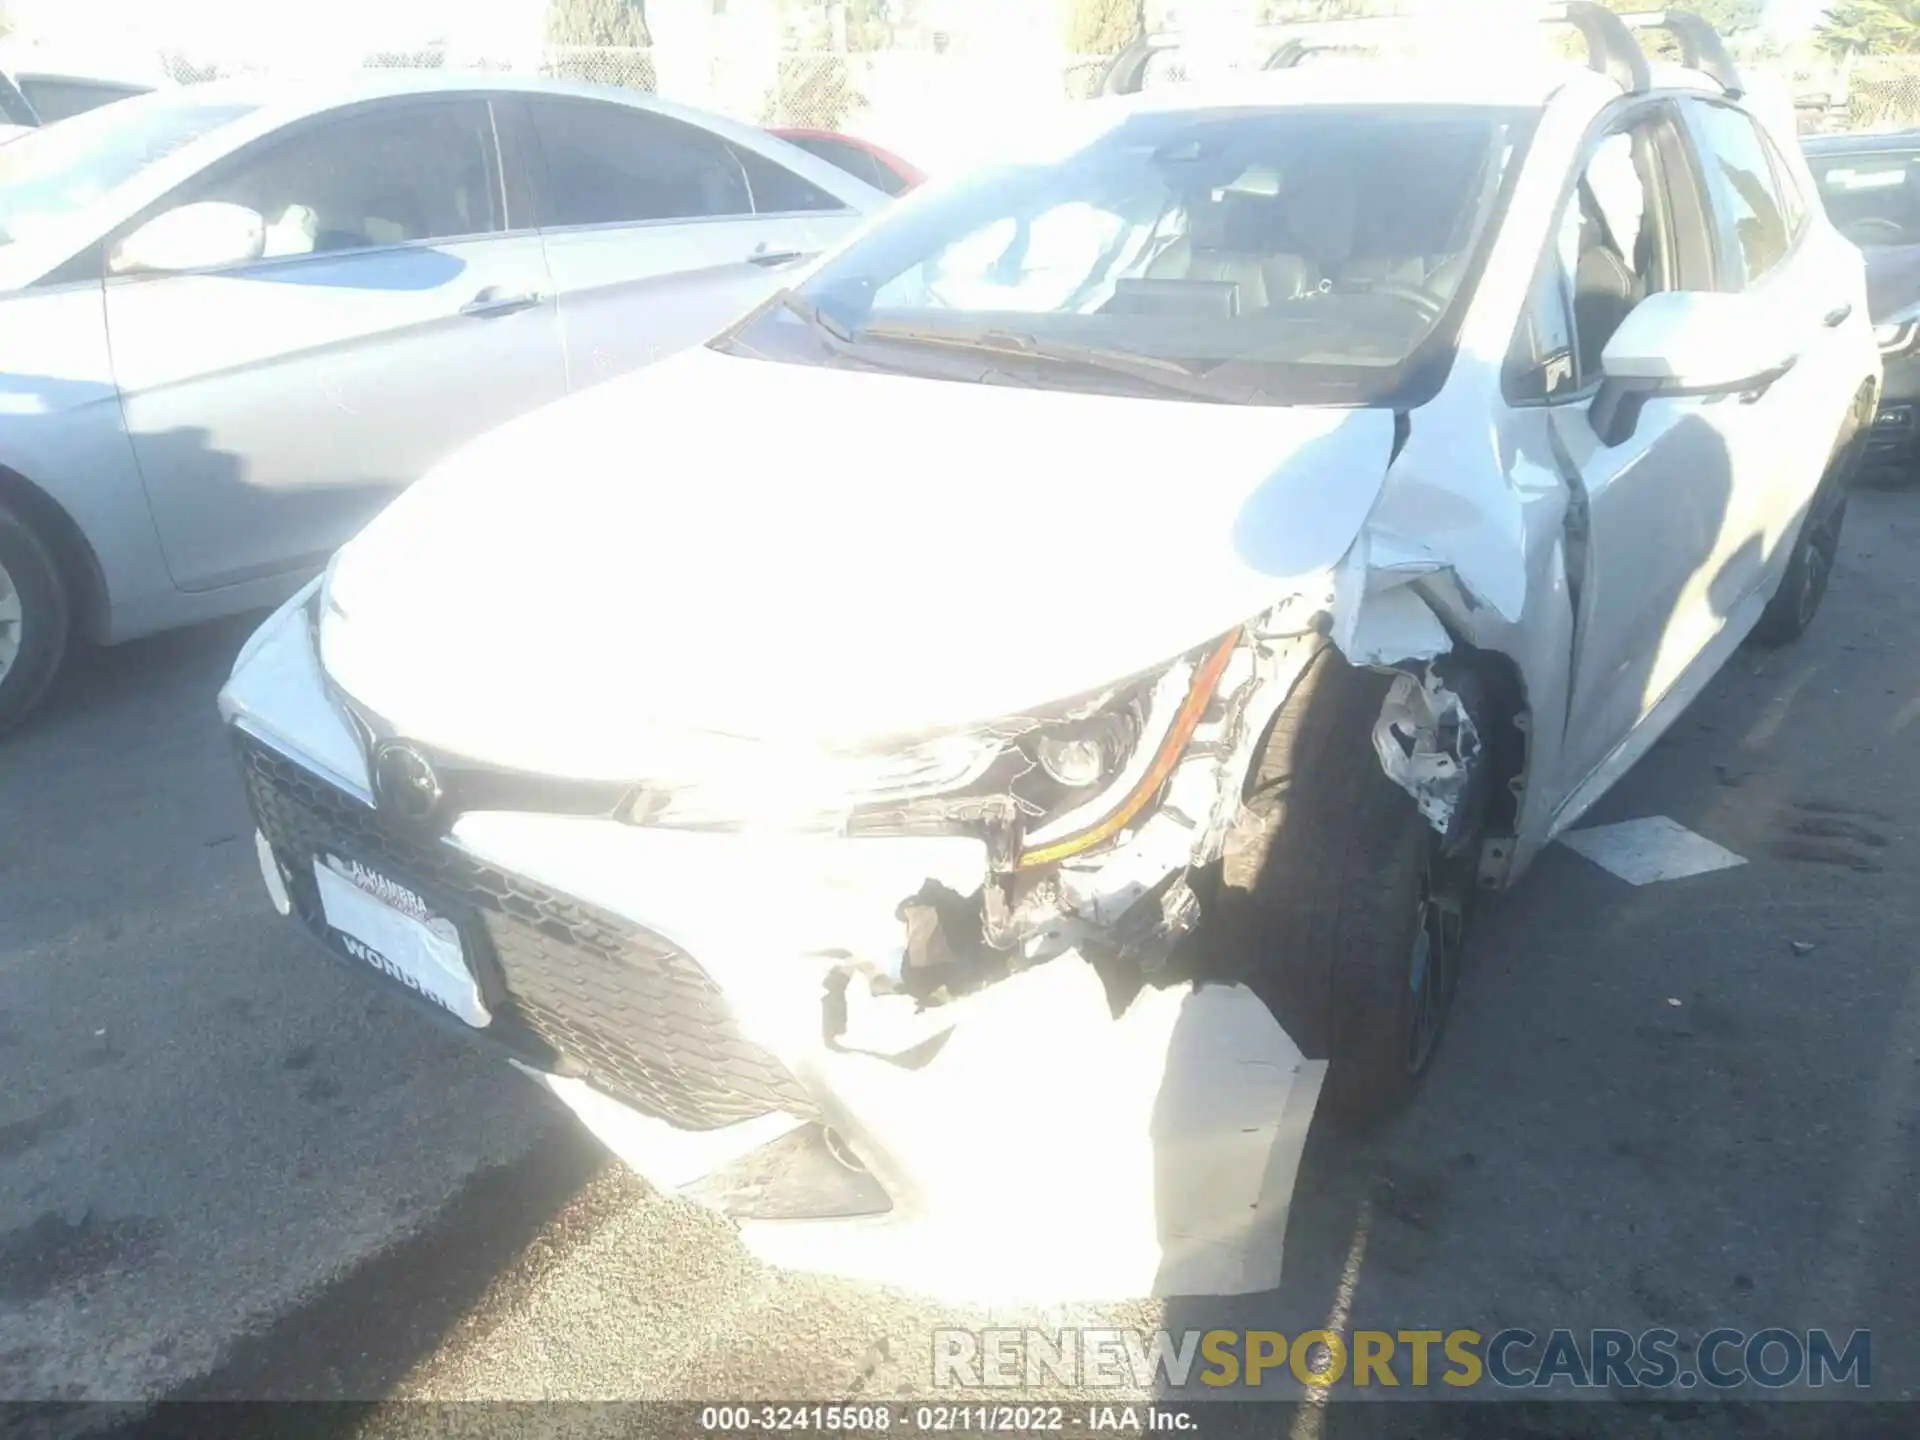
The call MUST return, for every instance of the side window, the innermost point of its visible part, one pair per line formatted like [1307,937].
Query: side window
[63,99]
[1635,225]
[851,158]
[1873,198]
[777,190]
[1613,240]
[1542,364]
[611,164]
[1793,202]
[385,175]
[14,109]
[1746,200]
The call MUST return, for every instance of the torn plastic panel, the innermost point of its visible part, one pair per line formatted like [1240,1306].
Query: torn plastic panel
[1428,745]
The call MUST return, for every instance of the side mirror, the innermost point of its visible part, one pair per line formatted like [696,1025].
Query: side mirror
[1688,342]
[193,237]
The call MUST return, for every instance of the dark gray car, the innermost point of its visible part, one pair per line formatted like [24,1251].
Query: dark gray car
[1871,186]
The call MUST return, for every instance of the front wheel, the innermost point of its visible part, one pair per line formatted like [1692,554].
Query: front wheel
[1340,907]
[33,619]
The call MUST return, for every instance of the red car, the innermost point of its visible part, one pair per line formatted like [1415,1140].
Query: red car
[861,159]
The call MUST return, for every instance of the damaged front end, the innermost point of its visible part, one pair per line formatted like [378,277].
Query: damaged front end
[1039,1048]
[961,964]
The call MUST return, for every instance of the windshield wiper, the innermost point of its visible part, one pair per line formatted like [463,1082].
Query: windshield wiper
[1168,375]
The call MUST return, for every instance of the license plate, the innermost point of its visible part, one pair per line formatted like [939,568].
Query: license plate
[384,923]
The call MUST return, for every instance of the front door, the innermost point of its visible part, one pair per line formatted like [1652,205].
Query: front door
[399,311]
[1667,544]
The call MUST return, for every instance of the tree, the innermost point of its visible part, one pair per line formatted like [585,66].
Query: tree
[597,22]
[587,27]
[1871,27]
[1103,27]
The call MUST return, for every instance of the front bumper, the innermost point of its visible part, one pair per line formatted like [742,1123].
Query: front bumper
[708,1005]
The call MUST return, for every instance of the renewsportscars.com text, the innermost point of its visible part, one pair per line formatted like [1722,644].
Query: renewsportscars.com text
[1511,1359]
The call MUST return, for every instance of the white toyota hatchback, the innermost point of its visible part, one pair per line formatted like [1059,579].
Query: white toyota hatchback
[957,769]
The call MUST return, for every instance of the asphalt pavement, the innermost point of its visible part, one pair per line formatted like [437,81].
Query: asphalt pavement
[227,1170]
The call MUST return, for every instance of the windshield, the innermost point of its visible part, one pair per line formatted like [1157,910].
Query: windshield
[1275,256]
[50,175]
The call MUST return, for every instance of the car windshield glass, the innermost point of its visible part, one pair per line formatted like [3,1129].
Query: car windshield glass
[1283,256]
[53,173]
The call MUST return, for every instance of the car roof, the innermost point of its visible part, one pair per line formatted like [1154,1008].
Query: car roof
[277,100]
[1516,83]
[283,97]
[1861,143]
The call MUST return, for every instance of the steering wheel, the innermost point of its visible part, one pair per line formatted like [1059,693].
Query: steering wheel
[1873,230]
[1430,305]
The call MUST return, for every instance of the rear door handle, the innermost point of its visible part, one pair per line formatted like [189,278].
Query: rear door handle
[494,301]
[770,258]
[1838,316]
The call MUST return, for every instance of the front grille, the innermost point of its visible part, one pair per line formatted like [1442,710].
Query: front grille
[573,988]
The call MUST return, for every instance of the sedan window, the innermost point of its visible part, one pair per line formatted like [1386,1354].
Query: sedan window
[778,191]
[615,165]
[55,97]
[388,175]
[851,158]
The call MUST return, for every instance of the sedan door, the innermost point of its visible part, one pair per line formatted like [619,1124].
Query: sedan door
[399,310]
[660,233]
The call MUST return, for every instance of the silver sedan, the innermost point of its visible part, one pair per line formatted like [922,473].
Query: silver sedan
[236,319]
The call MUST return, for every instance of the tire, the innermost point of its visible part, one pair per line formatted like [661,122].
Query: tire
[1337,907]
[1790,613]
[34,619]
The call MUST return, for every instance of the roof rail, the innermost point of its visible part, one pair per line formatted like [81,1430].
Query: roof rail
[1701,46]
[1612,48]
[1293,52]
[1127,70]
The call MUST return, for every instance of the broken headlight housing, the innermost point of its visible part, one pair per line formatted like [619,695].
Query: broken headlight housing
[1039,788]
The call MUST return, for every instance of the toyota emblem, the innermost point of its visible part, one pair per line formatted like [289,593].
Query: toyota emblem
[404,783]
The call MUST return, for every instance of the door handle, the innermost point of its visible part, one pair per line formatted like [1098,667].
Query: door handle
[769,258]
[494,301]
[1838,316]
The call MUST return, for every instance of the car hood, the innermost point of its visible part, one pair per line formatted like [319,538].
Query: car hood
[824,556]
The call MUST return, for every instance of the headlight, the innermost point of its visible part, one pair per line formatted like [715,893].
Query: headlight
[1091,752]
[1038,788]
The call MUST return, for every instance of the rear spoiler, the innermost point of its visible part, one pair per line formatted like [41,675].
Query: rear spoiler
[1612,48]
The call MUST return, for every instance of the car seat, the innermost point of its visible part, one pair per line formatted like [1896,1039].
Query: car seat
[1605,286]
[1235,239]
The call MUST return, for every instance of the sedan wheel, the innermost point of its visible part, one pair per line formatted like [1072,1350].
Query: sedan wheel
[10,618]
[33,619]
